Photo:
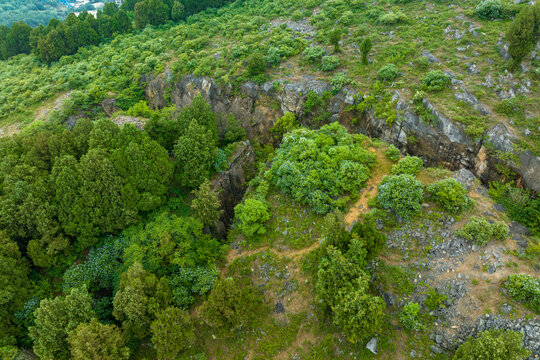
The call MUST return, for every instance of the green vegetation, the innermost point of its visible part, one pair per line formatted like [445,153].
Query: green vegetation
[525,289]
[401,194]
[480,231]
[393,153]
[411,165]
[251,217]
[306,165]
[450,194]
[408,317]
[388,72]
[493,344]
[95,341]
[493,9]
[436,80]
[33,13]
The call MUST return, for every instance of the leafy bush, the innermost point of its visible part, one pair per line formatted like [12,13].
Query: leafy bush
[317,166]
[480,231]
[392,153]
[526,289]
[388,72]
[408,317]
[408,165]
[391,18]
[285,123]
[493,9]
[436,80]
[522,34]
[493,345]
[313,53]
[435,300]
[402,194]
[450,194]
[338,81]
[365,48]
[329,63]
[256,64]
[510,107]
[251,217]
[274,56]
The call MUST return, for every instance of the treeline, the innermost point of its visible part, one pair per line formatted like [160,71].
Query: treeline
[32,12]
[60,38]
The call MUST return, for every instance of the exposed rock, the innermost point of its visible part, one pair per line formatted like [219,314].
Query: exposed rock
[503,49]
[430,57]
[472,69]
[372,345]
[121,120]
[465,177]
[302,26]
[109,106]
[390,299]
[465,95]
[155,91]
[279,308]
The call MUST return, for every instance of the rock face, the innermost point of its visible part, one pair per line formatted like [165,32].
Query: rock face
[231,183]
[444,143]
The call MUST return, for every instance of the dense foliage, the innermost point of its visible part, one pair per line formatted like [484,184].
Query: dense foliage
[526,289]
[408,317]
[317,166]
[493,345]
[480,231]
[401,194]
[411,165]
[33,12]
[450,194]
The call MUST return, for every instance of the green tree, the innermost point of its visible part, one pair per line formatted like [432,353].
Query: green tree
[335,38]
[402,194]
[365,48]
[195,153]
[151,12]
[206,204]
[520,36]
[18,40]
[52,47]
[121,23]
[252,216]
[110,8]
[13,287]
[172,333]
[140,297]
[55,319]
[231,306]
[96,341]
[178,12]
[493,345]
[104,25]
[372,239]
[256,64]
[129,5]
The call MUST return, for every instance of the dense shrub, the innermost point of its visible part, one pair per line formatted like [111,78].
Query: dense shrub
[392,153]
[285,123]
[402,194]
[493,345]
[317,166]
[329,63]
[436,80]
[391,18]
[493,9]
[313,53]
[256,64]
[450,194]
[510,107]
[408,316]
[526,289]
[408,165]
[334,38]
[388,72]
[365,48]
[251,217]
[480,231]
[521,34]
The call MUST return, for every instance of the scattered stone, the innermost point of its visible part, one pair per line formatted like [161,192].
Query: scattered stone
[472,69]
[279,308]
[390,299]
[435,349]
[499,207]
[506,309]
[372,345]
[465,177]
[431,58]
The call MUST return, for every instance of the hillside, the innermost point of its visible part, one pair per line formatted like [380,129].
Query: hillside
[316,179]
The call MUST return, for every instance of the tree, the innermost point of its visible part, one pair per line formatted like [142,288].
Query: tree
[520,36]
[96,341]
[206,204]
[402,194]
[372,239]
[172,333]
[13,287]
[110,8]
[195,153]
[129,5]
[256,64]
[52,47]
[55,319]
[493,345]
[231,306]
[121,23]
[140,297]
[104,25]
[365,48]
[335,38]
[18,40]
[151,12]
[178,12]
[252,216]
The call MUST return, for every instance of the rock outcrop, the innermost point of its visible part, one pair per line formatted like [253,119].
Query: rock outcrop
[442,143]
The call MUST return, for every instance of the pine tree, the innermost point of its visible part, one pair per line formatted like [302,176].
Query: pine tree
[520,36]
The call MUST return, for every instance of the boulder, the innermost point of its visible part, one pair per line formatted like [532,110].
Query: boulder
[465,177]
[372,345]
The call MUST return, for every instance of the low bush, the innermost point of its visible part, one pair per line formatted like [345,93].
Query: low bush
[408,317]
[251,217]
[391,18]
[285,123]
[436,80]
[402,194]
[256,64]
[450,194]
[330,63]
[408,165]
[313,53]
[493,345]
[480,231]
[510,107]
[388,72]
[392,153]
[526,289]
[494,9]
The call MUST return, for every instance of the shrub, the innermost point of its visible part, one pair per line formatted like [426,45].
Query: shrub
[330,63]
[391,18]
[436,80]
[408,317]
[251,216]
[450,194]
[285,123]
[402,194]
[493,345]
[256,64]
[435,300]
[480,231]
[365,48]
[388,72]
[510,107]
[526,289]
[520,35]
[408,165]
[313,53]
[338,81]
[493,9]
[392,153]
[317,166]
[334,39]
[274,56]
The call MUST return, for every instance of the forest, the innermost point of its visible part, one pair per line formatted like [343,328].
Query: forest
[240,179]
[33,13]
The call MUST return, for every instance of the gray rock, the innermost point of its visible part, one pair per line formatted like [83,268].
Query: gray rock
[430,57]
[472,69]
[390,299]
[372,345]
[465,177]
[465,95]
[435,349]
[503,49]
[506,309]
[279,308]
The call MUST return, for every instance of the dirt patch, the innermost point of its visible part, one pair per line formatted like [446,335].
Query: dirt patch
[44,111]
